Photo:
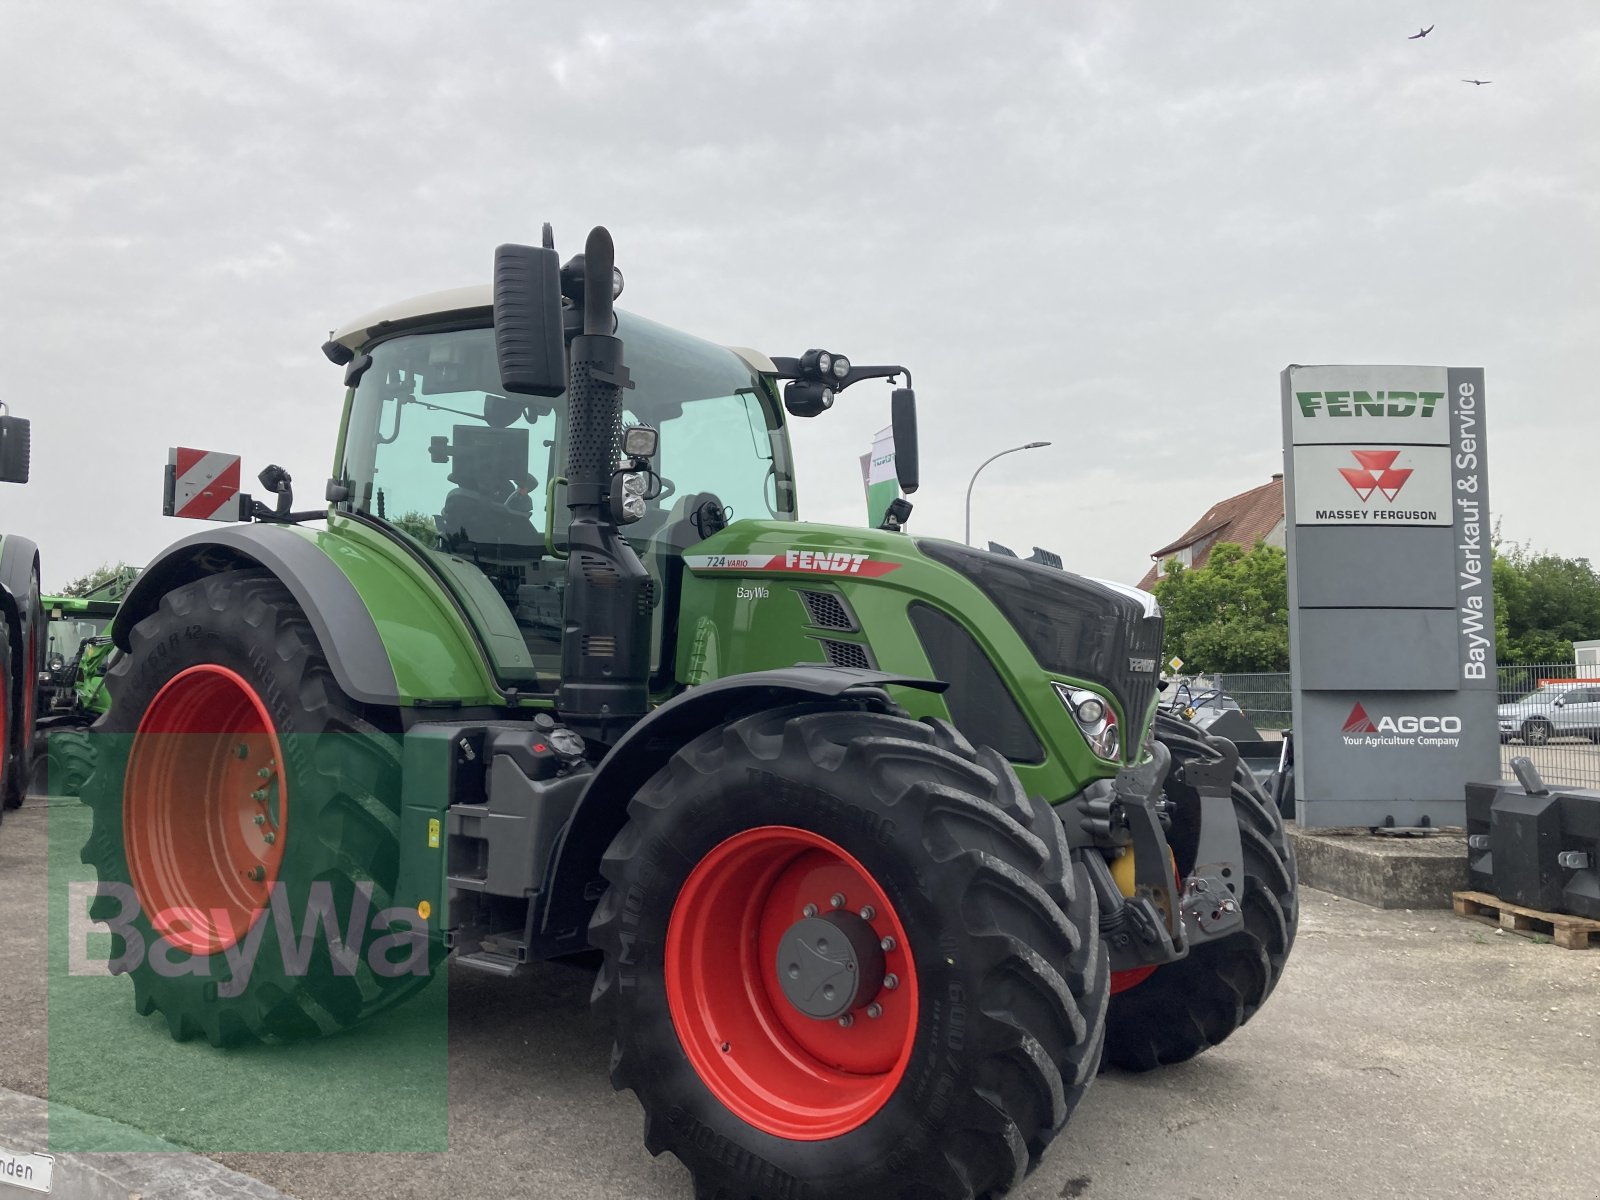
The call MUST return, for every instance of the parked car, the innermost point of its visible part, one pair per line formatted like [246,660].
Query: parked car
[1552,710]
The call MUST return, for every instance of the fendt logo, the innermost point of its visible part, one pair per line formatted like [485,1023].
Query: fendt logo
[1377,473]
[1368,404]
[1403,730]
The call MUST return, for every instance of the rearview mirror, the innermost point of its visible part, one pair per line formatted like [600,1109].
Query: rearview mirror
[15,439]
[903,416]
[527,319]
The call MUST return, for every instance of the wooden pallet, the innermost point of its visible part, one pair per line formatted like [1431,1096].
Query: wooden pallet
[1567,931]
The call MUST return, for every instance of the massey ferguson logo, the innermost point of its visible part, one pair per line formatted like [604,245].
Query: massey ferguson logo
[1404,730]
[1377,472]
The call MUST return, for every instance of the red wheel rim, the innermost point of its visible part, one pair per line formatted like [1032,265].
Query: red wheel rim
[1121,981]
[204,808]
[786,1073]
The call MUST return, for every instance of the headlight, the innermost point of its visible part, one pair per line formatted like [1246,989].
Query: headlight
[1094,720]
[824,361]
[634,483]
[841,366]
[633,507]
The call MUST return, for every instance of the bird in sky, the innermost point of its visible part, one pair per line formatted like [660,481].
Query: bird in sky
[1479,82]
[1424,33]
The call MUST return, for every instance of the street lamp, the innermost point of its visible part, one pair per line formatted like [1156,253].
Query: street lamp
[981,466]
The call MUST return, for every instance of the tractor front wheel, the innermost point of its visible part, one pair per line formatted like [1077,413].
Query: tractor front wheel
[1171,1013]
[246,824]
[846,956]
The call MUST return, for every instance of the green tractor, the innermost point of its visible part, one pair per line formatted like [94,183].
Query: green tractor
[72,687]
[21,619]
[866,829]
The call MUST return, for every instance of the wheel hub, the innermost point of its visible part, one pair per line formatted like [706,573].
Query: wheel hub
[829,965]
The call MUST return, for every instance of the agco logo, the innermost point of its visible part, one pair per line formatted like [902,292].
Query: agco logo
[1368,404]
[1401,730]
[1377,472]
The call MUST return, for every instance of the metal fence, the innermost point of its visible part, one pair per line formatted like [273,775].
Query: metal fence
[1264,698]
[1550,713]
[1562,739]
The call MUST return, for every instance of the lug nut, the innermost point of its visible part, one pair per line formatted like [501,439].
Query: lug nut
[887,944]
[269,837]
[874,1010]
[846,1021]
[256,874]
[891,982]
[259,794]
[868,912]
[260,818]
[264,773]
[837,900]
[241,750]
[809,910]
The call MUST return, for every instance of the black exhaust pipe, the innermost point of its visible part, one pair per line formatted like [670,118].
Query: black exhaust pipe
[605,646]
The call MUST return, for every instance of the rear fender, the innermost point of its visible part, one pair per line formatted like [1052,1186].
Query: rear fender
[575,884]
[391,635]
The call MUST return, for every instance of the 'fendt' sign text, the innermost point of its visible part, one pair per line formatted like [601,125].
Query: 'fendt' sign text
[1368,404]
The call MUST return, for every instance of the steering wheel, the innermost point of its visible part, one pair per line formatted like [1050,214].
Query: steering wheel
[519,501]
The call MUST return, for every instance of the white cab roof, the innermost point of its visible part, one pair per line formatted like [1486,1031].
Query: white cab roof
[464,300]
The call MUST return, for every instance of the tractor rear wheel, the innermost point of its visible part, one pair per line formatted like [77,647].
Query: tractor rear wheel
[10,796]
[1174,1012]
[22,679]
[69,761]
[238,796]
[846,956]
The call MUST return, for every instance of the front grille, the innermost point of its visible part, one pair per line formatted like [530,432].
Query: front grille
[1073,626]
[828,611]
[847,654]
[979,702]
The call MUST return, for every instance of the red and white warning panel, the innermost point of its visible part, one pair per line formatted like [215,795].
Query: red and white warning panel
[202,484]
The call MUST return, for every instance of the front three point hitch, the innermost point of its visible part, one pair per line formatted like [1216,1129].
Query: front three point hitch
[1165,915]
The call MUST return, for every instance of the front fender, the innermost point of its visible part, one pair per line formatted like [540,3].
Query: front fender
[574,878]
[391,634]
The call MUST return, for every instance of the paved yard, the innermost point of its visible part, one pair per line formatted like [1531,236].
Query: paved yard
[1405,1054]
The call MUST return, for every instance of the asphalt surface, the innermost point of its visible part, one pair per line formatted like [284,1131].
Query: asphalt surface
[1405,1054]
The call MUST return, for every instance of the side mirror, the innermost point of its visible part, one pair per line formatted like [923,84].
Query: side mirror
[903,416]
[527,319]
[15,440]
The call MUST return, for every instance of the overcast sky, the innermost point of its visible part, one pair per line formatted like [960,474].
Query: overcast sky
[1105,225]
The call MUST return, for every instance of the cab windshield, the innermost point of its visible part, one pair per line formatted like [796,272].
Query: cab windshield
[435,448]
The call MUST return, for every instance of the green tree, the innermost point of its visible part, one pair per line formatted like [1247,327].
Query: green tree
[419,525]
[103,574]
[1543,603]
[1231,615]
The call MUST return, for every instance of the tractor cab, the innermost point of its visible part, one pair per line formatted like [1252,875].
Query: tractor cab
[473,476]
